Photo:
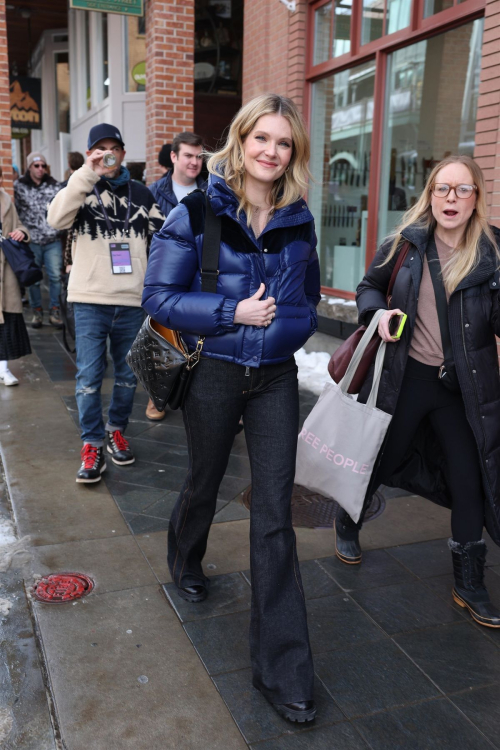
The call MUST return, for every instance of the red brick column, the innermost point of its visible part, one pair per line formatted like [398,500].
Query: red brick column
[169,75]
[5,131]
[274,47]
[487,150]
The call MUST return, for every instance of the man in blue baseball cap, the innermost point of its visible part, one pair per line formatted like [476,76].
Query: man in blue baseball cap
[112,219]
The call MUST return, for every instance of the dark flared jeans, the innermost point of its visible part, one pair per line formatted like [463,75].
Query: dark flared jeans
[267,398]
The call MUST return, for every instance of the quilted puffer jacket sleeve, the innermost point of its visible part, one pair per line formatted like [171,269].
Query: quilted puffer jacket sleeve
[172,267]
[312,285]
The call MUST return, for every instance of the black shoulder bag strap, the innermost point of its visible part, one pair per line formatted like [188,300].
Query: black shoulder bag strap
[447,372]
[211,249]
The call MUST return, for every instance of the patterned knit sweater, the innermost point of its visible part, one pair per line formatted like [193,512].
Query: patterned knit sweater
[76,207]
[31,202]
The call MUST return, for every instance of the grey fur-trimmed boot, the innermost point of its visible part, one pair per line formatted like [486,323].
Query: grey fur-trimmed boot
[469,590]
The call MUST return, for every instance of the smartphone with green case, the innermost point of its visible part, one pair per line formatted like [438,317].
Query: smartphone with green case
[396,325]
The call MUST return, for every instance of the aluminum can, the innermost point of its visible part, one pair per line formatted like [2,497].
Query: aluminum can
[109,160]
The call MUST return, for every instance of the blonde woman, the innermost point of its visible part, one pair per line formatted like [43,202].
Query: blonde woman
[14,339]
[444,440]
[264,310]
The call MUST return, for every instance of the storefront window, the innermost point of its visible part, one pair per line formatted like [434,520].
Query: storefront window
[372,26]
[62,91]
[398,15]
[322,25]
[342,28]
[430,112]
[135,54]
[105,64]
[431,7]
[341,131]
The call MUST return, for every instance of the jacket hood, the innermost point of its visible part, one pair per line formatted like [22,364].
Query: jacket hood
[224,201]
[488,262]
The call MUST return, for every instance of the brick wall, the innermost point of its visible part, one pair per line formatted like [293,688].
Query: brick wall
[5,132]
[274,49]
[487,150]
[170,75]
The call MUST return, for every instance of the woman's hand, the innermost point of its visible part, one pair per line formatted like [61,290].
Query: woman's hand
[17,235]
[383,326]
[254,311]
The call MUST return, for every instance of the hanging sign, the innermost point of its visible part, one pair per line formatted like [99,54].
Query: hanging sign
[26,102]
[139,73]
[123,7]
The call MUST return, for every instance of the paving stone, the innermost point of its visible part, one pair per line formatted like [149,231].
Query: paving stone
[139,523]
[455,657]
[377,569]
[114,564]
[174,456]
[165,434]
[316,582]
[424,559]
[257,720]
[372,677]
[232,511]
[228,593]
[163,507]
[135,499]
[170,478]
[435,724]
[406,520]
[336,621]
[221,642]
[405,606]
[482,707]
[232,486]
[109,641]
[341,736]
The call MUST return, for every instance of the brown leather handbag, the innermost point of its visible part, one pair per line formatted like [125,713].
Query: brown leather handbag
[340,359]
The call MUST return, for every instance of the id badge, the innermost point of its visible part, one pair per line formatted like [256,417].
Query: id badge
[121,262]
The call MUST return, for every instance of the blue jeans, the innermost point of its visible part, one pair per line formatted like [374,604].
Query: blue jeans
[267,396]
[93,325]
[49,256]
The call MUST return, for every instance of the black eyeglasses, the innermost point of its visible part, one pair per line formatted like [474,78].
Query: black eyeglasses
[442,190]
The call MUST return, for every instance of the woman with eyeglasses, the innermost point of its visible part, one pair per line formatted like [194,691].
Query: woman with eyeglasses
[14,339]
[441,377]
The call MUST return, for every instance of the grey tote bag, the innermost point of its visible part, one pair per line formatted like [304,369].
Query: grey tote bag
[340,441]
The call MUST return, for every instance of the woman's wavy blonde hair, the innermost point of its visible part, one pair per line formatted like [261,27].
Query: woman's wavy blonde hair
[467,254]
[230,160]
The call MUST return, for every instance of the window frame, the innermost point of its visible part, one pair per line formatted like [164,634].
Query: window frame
[419,29]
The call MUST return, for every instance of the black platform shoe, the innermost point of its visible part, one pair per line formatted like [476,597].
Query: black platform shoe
[300,712]
[347,547]
[195,593]
[469,591]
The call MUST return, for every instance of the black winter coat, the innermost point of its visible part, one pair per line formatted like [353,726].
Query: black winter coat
[474,319]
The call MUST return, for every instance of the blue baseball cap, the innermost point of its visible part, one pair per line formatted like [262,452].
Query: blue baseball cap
[102,131]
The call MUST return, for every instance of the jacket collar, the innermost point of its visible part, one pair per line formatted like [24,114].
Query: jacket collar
[46,180]
[224,201]
[166,189]
[485,269]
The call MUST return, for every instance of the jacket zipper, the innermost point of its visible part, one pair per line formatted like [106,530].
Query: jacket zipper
[247,372]
[473,386]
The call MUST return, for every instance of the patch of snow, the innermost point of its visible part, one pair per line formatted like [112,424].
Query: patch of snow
[5,606]
[313,370]
[7,535]
[6,723]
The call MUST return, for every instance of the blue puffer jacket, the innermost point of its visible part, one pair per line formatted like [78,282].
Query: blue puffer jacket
[283,257]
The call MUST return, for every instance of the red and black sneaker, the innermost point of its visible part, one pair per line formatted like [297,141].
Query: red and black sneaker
[93,464]
[118,446]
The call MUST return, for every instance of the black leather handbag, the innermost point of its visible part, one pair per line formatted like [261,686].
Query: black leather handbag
[158,357]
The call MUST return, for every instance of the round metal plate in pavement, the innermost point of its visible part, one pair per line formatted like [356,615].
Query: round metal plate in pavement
[314,511]
[59,588]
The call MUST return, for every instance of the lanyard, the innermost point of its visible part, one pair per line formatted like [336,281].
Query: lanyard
[105,213]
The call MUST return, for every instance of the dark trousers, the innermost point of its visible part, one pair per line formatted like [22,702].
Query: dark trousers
[422,395]
[268,398]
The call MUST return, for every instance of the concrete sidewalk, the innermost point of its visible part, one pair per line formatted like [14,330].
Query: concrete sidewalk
[132,666]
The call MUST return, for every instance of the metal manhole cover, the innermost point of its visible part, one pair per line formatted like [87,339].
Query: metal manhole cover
[314,511]
[62,587]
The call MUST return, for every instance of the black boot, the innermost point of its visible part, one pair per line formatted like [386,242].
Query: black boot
[469,590]
[300,712]
[347,547]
